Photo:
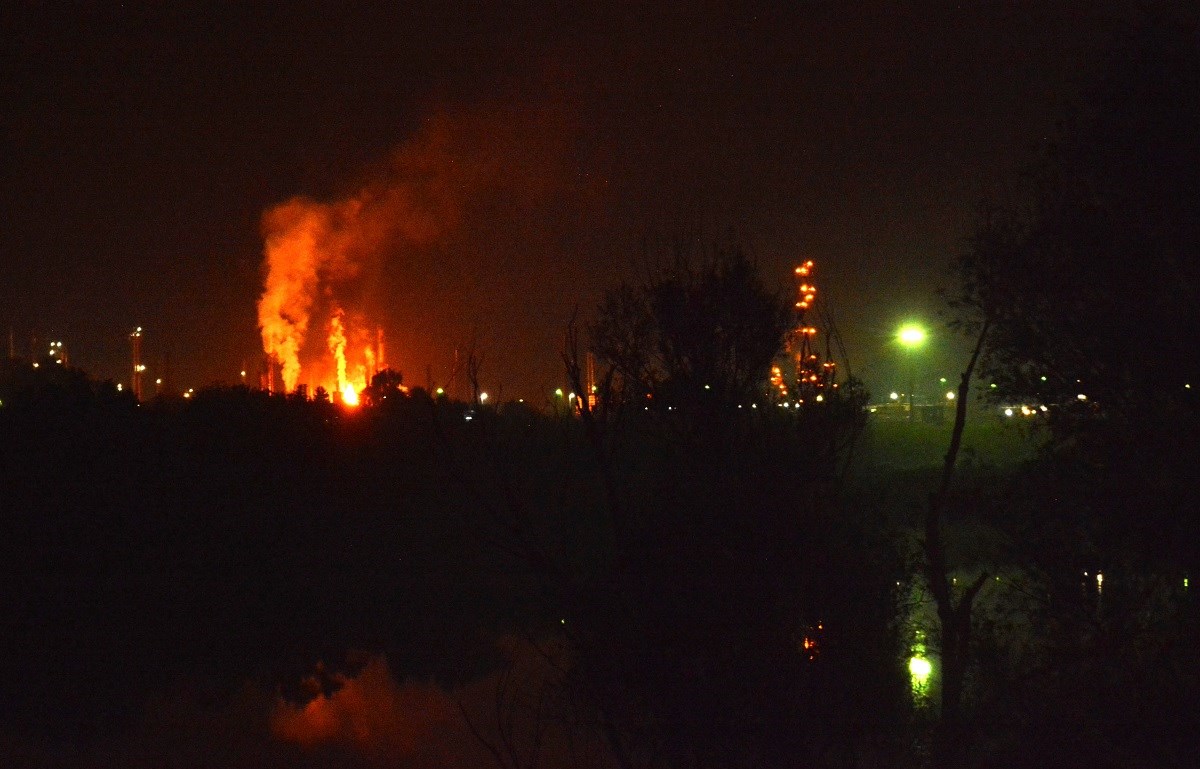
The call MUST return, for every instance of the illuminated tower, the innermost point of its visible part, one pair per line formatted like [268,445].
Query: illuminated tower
[135,340]
[591,380]
[806,373]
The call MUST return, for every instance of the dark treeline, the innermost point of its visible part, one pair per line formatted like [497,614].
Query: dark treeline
[238,536]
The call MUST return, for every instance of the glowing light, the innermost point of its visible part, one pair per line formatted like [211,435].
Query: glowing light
[820,398]
[439,391]
[920,669]
[1081,397]
[950,395]
[911,335]
[559,392]
[483,397]
[942,380]
[895,396]
[349,395]
[1008,412]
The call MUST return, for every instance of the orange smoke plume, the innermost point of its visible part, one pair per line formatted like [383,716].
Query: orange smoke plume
[313,250]
[496,180]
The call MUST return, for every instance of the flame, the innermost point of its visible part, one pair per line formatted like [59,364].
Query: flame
[315,251]
[437,188]
[337,345]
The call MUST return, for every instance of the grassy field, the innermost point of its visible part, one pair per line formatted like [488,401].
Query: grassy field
[988,439]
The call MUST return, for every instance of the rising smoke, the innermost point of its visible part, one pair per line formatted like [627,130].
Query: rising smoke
[465,175]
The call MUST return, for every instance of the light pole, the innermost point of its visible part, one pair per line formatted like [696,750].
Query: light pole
[911,337]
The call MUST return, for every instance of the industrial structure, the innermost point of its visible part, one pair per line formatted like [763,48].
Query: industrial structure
[807,372]
[135,340]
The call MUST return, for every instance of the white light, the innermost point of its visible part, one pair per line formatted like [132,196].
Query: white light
[950,396]
[119,387]
[820,398]
[482,397]
[895,396]
[1081,397]
[1008,412]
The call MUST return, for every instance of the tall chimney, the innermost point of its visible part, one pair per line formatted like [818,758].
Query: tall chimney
[135,340]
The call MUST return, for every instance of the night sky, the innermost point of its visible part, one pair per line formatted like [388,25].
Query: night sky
[143,143]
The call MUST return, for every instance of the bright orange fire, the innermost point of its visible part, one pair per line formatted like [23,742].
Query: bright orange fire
[311,249]
[333,259]
[318,255]
[314,253]
[346,389]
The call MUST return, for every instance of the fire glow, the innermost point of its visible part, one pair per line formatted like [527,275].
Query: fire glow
[333,268]
[314,253]
[319,256]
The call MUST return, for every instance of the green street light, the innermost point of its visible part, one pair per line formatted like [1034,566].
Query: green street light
[920,669]
[911,336]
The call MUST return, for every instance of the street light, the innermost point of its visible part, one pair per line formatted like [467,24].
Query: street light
[911,336]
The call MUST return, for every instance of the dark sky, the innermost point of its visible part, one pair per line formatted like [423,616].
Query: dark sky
[143,142]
